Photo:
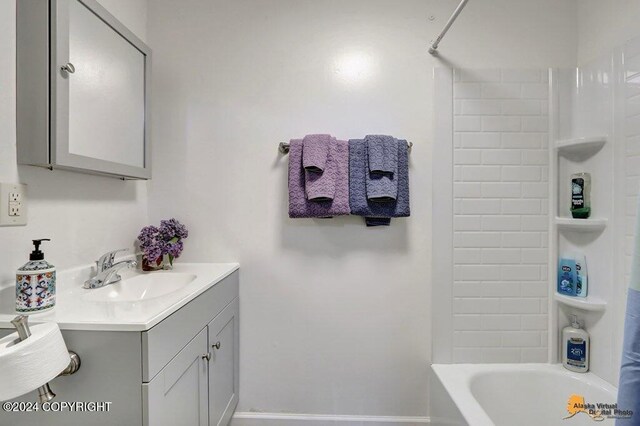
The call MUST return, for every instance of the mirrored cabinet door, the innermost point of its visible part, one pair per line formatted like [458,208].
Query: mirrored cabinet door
[99,80]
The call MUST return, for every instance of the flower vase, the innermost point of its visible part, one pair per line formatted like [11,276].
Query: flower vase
[164,262]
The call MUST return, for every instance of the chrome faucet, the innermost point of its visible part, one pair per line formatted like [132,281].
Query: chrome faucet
[107,271]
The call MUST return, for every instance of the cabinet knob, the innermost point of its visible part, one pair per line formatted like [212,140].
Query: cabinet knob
[68,67]
[207,356]
[216,345]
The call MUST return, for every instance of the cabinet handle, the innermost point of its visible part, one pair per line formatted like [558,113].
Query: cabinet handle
[68,67]
[207,356]
[216,345]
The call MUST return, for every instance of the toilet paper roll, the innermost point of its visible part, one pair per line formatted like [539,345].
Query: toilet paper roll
[27,365]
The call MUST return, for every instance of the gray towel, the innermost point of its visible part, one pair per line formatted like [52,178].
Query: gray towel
[382,176]
[358,171]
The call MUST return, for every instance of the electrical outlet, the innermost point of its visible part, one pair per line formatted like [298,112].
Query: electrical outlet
[13,204]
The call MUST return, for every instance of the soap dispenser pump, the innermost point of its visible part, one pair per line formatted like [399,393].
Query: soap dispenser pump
[36,283]
[575,347]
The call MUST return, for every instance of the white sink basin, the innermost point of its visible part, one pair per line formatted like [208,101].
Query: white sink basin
[140,287]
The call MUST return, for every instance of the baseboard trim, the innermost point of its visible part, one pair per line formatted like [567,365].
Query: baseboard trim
[255,419]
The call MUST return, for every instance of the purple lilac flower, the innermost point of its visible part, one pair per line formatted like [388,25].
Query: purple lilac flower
[166,239]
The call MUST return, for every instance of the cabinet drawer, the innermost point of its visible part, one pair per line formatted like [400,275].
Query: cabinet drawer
[161,343]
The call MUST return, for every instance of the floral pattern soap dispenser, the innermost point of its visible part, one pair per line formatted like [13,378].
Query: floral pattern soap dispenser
[36,283]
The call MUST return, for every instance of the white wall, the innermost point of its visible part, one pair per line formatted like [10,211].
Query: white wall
[603,25]
[335,317]
[84,215]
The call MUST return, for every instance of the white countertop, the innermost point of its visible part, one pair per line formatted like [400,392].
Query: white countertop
[73,312]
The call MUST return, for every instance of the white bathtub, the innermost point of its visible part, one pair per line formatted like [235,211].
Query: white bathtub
[513,395]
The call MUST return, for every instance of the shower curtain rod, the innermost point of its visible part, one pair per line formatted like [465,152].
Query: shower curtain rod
[283,147]
[433,49]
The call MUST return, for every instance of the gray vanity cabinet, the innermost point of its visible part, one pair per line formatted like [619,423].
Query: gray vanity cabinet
[223,366]
[178,394]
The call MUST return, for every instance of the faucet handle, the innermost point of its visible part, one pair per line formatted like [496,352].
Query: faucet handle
[106,260]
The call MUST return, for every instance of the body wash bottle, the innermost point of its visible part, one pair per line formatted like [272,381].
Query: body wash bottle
[575,347]
[582,281]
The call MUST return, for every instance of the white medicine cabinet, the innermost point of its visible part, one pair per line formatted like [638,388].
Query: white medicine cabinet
[83,88]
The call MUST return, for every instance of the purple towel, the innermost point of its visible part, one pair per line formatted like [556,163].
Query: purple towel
[299,205]
[315,151]
[321,186]
[382,173]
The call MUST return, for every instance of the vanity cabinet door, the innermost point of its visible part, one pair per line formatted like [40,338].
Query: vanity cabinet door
[177,395]
[223,367]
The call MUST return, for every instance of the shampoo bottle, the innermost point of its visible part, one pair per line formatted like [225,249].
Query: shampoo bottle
[575,347]
[582,281]
[35,283]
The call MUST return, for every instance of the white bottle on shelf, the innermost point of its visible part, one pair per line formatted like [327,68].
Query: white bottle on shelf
[575,347]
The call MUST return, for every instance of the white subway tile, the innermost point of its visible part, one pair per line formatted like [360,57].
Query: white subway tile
[520,339]
[477,339]
[501,156]
[467,256]
[522,140]
[500,355]
[467,123]
[500,322]
[467,322]
[521,107]
[501,256]
[501,223]
[520,272]
[477,305]
[521,173]
[535,189]
[467,190]
[535,124]
[480,107]
[481,173]
[535,223]
[480,140]
[467,289]
[467,156]
[501,90]
[501,190]
[501,124]
[537,157]
[500,289]
[534,255]
[523,207]
[480,206]
[534,322]
[519,306]
[534,355]
[476,239]
[467,223]
[476,272]
[522,239]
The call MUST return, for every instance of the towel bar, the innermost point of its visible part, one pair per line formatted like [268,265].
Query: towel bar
[283,147]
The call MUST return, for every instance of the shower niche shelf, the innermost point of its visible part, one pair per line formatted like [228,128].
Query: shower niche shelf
[581,225]
[581,147]
[589,303]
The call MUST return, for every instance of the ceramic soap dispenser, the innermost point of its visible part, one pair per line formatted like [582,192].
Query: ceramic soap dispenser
[36,283]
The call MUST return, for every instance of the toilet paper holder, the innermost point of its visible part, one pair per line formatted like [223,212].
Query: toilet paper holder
[21,323]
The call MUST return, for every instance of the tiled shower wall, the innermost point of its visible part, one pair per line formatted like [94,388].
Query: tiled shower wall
[632,135]
[500,215]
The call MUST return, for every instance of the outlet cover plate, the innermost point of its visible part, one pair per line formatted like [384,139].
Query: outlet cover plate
[13,196]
